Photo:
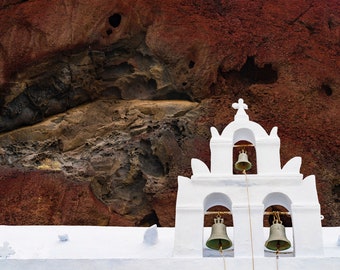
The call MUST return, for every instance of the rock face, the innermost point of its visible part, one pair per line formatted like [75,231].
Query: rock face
[104,103]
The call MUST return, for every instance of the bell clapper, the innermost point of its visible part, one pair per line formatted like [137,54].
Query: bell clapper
[277,253]
[277,249]
[277,246]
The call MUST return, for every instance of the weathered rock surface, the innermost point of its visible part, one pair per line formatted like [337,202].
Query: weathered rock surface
[104,103]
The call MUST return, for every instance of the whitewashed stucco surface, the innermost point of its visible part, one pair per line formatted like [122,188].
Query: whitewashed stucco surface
[121,248]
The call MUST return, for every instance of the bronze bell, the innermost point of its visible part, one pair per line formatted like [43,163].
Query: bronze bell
[277,237]
[218,239]
[242,163]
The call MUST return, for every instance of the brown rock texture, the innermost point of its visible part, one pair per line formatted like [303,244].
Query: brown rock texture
[104,103]
[39,198]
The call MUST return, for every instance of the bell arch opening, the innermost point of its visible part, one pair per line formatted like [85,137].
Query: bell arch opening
[277,198]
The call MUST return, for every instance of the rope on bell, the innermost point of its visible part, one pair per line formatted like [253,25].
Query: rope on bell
[221,248]
[250,224]
[276,215]
[267,213]
[222,255]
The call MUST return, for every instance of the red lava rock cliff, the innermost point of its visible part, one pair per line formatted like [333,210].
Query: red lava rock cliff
[104,103]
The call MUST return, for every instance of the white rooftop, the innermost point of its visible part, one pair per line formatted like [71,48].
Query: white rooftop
[92,247]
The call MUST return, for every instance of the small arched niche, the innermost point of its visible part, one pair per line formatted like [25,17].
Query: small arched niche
[277,198]
[278,204]
[250,150]
[217,204]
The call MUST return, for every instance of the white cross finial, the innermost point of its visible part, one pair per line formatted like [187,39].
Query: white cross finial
[240,107]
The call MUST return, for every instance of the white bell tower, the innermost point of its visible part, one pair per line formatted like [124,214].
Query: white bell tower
[247,195]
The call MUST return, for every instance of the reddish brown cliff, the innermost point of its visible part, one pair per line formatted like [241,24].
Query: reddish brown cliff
[104,103]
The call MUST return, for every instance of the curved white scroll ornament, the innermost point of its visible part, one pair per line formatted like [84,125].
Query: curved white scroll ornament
[293,165]
[214,132]
[199,167]
[273,132]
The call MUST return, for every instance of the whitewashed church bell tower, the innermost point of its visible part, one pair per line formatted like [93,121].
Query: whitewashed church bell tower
[247,196]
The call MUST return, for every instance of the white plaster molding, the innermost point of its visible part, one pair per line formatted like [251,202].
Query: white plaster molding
[199,167]
[292,166]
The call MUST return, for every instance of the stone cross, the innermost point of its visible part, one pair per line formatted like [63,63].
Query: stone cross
[240,107]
